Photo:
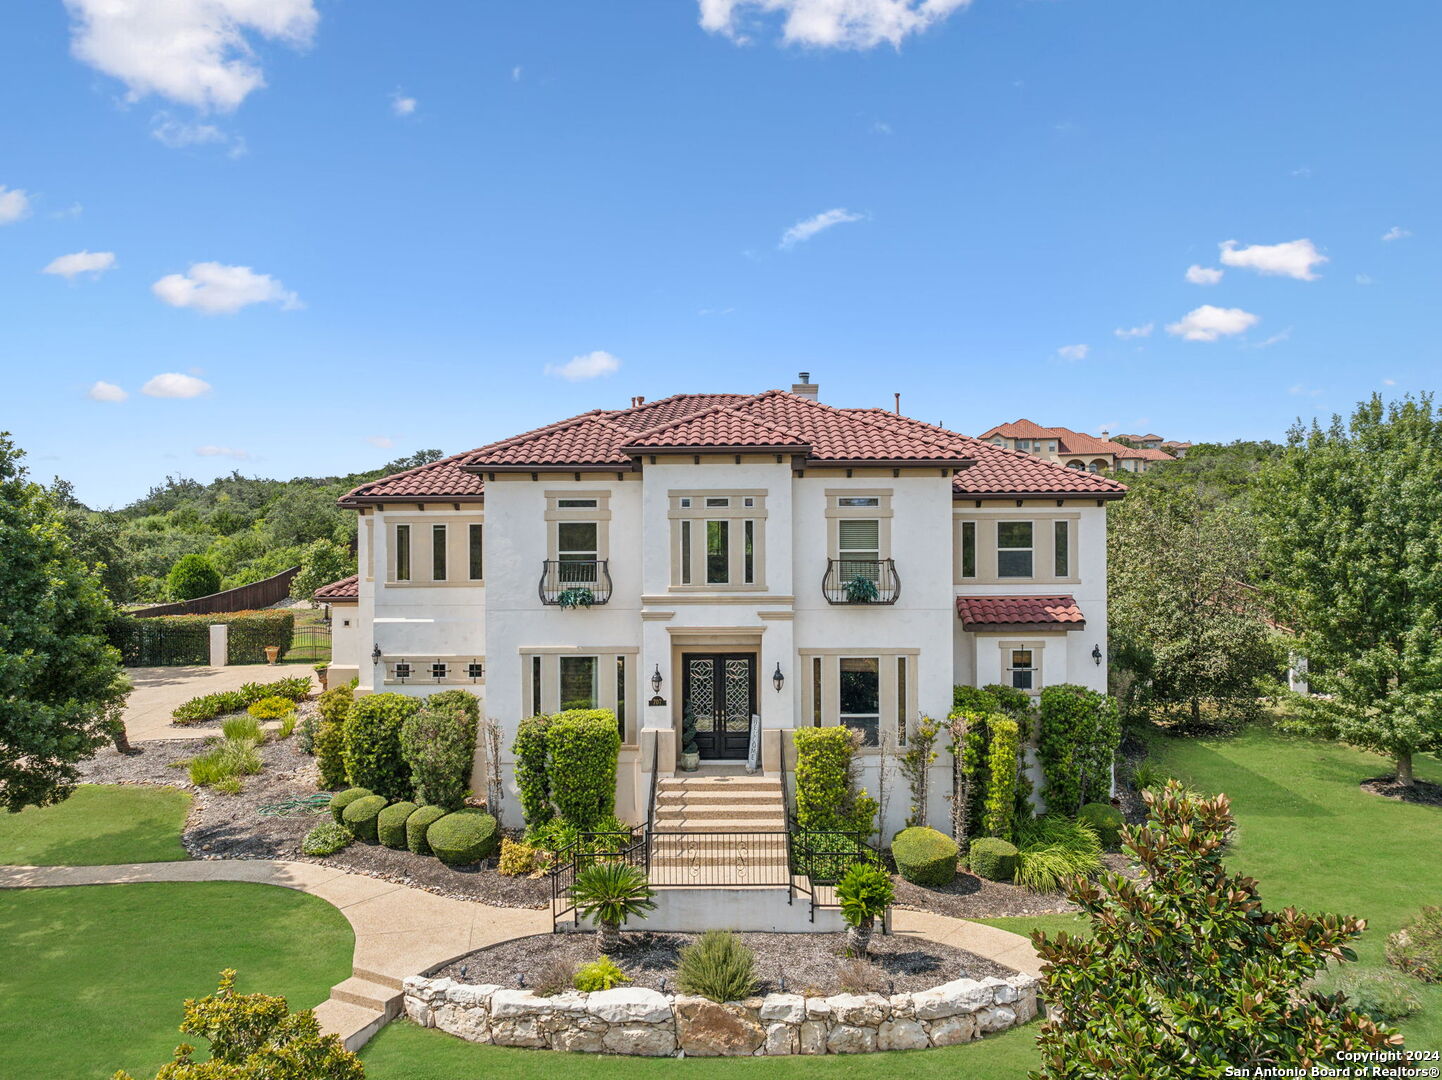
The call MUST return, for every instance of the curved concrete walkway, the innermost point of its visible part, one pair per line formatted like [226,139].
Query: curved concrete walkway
[401,931]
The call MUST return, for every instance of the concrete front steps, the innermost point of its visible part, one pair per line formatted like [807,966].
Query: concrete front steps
[360,1006]
[719,804]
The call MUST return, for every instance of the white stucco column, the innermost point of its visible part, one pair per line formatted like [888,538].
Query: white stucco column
[219,645]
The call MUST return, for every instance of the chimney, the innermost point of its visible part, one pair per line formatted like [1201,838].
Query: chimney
[806,388]
[635,401]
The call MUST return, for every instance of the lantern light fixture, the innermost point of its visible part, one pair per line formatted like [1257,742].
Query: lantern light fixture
[778,680]
[656,680]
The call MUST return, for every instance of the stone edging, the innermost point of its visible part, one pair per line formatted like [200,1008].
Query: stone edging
[647,1023]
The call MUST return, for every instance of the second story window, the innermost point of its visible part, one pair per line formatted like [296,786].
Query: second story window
[718,552]
[477,566]
[1061,539]
[1014,549]
[438,553]
[403,552]
[576,543]
[716,540]
[968,549]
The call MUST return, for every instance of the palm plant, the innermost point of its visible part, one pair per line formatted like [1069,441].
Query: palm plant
[609,893]
[861,590]
[864,892]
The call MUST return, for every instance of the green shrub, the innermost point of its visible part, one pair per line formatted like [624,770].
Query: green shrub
[826,796]
[272,708]
[582,746]
[1079,738]
[610,893]
[1417,947]
[287,726]
[973,699]
[532,778]
[326,839]
[556,835]
[1146,776]
[1053,849]
[391,824]
[360,817]
[228,760]
[1010,701]
[334,704]
[718,967]
[330,754]
[305,739]
[464,837]
[229,785]
[517,858]
[373,756]
[416,826]
[1107,820]
[864,893]
[924,856]
[1381,996]
[341,799]
[1003,762]
[600,974]
[209,706]
[993,859]
[243,727]
[438,743]
[190,577]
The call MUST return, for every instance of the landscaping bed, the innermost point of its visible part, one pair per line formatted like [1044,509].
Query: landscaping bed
[810,963]
[972,897]
[1421,792]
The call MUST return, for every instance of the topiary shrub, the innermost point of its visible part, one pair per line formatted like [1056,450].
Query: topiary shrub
[438,743]
[532,778]
[583,745]
[718,967]
[1417,947]
[373,755]
[341,799]
[1107,820]
[326,839]
[360,817]
[464,837]
[329,746]
[993,859]
[335,703]
[1080,733]
[1003,762]
[826,796]
[391,824]
[924,856]
[416,826]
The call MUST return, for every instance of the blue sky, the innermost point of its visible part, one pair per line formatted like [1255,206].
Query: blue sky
[392,226]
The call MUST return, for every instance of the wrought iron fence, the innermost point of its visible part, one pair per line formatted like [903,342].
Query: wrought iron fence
[311,643]
[720,859]
[575,583]
[861,581]
[628,847]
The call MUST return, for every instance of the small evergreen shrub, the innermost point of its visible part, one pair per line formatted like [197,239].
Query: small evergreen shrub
[360,817]
[341,799]
[583,746]
[305,739]
[391,824]
[243,727]
[438,743]
[416,826]
[326,839]
[517,858]
[192,576]
[1381,996]
[1417,947]
[1080,734]
[1010,701]
[464,837]
[335,703]
[1107,820]
[1003,762]
[373,755]
[718,967]
[532,777]
[924,856]
[826,796]
[271,708]
[1053,849]
[600,974]
[973,699]
[330,754]
[993,859]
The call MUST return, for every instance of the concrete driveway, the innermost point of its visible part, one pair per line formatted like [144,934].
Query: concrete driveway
[158,690]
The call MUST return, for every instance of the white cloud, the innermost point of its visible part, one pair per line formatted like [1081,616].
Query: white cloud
[1207,323]
[1204,275]
[881,127]
[516,73]
[1364,279]
[1304,391]
[1389,382]
[93,263]
[1145,330]
[223,451]
[402,105]
[71,212]
[14,205]
[1294,259]
[1303,171]
[192,51]
[1275,339]
[1074,352]
[1396,232]
[385,442]
[174,385]
[590,366]
[179,134]
[105,391]
[805,230]
[840,24]
[215,289]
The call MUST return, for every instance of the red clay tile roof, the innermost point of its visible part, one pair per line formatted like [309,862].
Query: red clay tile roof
[1145,454]
[439,480]
[983,612]
[1077,443]
[347,588]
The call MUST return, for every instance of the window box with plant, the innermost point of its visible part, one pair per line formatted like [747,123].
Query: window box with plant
[570,583]
[861,581]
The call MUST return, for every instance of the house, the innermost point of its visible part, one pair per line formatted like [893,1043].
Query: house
[730,556]
[1078,450]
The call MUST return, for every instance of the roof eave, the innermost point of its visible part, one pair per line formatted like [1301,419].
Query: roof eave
[354,502]
[890,463]
[550,466]
[1023,627]
[1108,494]
[744,448]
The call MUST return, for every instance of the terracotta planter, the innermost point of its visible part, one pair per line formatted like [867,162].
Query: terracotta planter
[272,653]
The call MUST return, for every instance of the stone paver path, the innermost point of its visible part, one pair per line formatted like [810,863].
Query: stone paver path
[158,690]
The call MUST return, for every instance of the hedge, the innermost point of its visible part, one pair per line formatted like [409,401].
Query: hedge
[172,640]
[924,856]
[532,778]
[438,743]
[583,746]
[416,826]
[341,799]
[993,859]
[373,756]
[360,817]
[826,798]
[391,824]
[1080,733]
[464,837]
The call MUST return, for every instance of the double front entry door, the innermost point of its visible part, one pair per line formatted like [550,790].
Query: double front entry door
[720,693]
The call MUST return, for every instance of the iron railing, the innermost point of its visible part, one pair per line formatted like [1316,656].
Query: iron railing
[720,859]
[575,584]
[861,581]
[628,847]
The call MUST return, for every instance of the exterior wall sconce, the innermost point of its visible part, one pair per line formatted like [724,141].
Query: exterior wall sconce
[376,653]
[656,680]
[1097,655]
[778,680]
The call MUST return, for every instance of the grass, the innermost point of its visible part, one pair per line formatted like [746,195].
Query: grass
[106,968]
[98,825]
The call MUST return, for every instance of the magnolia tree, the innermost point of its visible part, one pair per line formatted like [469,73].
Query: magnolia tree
[1351,524]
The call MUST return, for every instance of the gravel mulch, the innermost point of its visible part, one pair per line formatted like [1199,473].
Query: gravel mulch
[972,897]
[1422,792]
[809,963]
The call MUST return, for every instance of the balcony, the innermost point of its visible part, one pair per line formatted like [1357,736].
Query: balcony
[861,581]
[580,583]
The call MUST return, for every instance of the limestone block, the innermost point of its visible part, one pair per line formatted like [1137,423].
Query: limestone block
[466,994]
[512,1003]
[811,1038]
[640,1040]
[995,1018]
[518,1031]
[577,1040]
[787,1008]
[629,1005]
[901,1005]
[850,1039]
[781,1039]
[1002,992]
[858,1009]
[570,1001]
[419,1011]
[953,1030]
[901,1035]
[818,1008]
[951,999]
[1025,1005]
[711,1030]
[466,1023]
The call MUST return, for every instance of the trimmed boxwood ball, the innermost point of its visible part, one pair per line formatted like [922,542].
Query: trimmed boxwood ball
[416,826]
[341,799]
[360,817]
[462,838]
[993,859]
[391,824]
[924,856]
[1107,820]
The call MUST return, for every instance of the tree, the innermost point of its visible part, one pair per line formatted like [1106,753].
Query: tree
[1351,523]
[192,576]
[322,562]
[1187,976]
[59,679]
[1187,627]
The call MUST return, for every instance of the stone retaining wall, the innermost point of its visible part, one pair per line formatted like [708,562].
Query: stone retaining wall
[650,1024]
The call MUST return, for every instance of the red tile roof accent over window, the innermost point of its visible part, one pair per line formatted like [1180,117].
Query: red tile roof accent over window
[347,588]
[983,612]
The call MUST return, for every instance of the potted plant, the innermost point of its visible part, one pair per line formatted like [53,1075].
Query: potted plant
[690,752]
[611,893]
[272,653]
[577,596]
[861,590]
[864,892]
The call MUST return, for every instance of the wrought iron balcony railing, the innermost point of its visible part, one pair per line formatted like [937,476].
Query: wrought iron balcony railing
[861,581]
[575,583]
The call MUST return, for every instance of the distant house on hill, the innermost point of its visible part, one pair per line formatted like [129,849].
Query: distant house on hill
[1077,450]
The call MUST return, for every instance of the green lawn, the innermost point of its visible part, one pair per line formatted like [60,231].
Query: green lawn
[98,825]
[94,976]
